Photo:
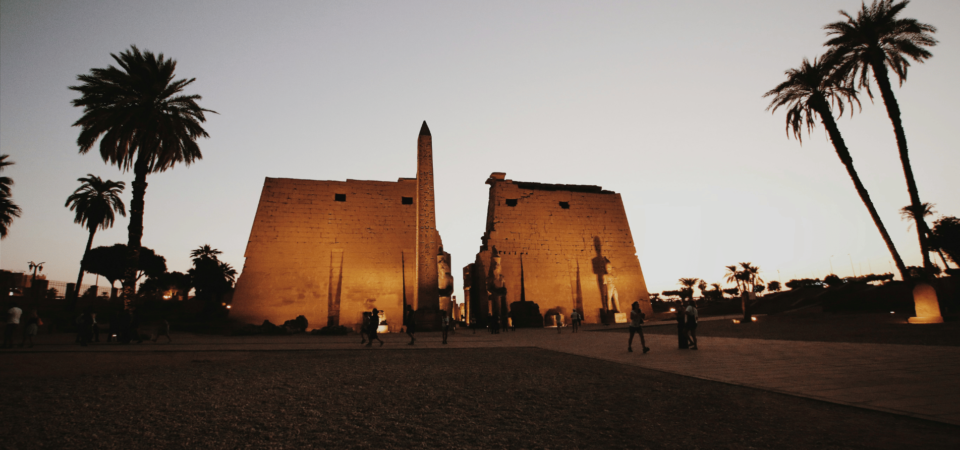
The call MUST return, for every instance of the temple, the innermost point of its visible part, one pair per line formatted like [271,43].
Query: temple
[331,250]
[549,249]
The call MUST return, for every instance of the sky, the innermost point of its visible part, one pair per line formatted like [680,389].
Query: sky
[661,102]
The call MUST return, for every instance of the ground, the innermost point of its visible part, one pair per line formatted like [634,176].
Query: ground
[403,397]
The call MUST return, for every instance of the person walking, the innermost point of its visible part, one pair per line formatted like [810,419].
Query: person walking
[445,324]
[163,330]
[33,323]
[692,317]
[364,326]
[636,327]
[575,320]
[682,327]
[409,321]
[12,323]
[372,325]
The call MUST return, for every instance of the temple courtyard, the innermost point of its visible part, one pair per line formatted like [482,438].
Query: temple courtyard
[523,389]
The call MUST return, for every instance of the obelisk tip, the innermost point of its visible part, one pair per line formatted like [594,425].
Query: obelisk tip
[424,130]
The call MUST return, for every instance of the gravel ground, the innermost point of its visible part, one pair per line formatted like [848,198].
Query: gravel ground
[416,398]
[825,327]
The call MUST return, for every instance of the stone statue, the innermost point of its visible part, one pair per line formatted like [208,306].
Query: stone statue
[444,276]
[609,281]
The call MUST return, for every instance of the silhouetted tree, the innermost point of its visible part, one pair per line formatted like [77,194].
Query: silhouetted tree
[946,231]
[147,124]
[111,263]
[808,93]
[774,286]
[96,201]
[926,210]
[211,277]
[871,42]
[8,209]
[688,284]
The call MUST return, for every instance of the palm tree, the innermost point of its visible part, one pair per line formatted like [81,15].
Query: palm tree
[688,285]
[751,275]
[718,291]
[95,203]
[147,125]
[808,94]
[733,276]
[876,39]
[926,210]
[8,209]
[205,252]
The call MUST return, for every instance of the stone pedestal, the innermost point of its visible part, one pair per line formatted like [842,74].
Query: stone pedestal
[926,304]
[612,317]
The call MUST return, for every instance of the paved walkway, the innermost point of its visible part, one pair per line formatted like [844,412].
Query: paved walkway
[912,380]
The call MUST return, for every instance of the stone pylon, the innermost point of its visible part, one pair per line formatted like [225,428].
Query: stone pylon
[426,291]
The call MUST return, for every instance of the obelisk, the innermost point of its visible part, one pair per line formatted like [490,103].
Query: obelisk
[426,291]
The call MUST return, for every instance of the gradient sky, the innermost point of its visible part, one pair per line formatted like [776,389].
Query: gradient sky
[659,101]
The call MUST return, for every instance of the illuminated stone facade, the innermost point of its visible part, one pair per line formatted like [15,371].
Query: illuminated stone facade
[560,246]
[330,250]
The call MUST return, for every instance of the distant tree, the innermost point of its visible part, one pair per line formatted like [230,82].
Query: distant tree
[8,209]
[832,280]
[96,201]
[211,277]
[147,125]
[702,285]
[803,282]
[688,285]
[759,288]
[717,292]
[946,231]
[111,263]
[774,286]
[205,252]
[732,291]
[926,210]
[733,275]
[873,41]
[808,95]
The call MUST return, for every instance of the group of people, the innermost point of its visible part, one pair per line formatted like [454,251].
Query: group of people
[687,318]
[12,323]
[371,323]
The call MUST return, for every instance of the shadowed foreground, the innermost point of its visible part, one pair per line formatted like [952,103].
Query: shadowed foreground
[422,398]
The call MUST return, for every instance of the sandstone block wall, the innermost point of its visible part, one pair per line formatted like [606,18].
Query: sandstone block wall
[326,259]
[560,234]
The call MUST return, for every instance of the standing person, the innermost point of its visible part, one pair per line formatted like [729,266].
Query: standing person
[692,317]
[575,320]
[95,328]
[473,323]
[556,318]
[445,323]
[13,322]
[33,324]
[86,326]
[410,322]
[163,330]
[636,327]
[682,327]
[364,325]
[372,325]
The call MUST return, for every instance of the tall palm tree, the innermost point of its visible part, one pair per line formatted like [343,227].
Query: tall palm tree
[147,125]
[751,275]
[8,209]
[876,39]
[96,201]
[808,95]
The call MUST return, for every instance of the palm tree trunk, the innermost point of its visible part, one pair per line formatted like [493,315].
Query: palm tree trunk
[135,230]
[880,74]
[76,290]
[827,118]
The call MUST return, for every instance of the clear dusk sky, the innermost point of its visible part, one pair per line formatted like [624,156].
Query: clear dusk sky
[658,101]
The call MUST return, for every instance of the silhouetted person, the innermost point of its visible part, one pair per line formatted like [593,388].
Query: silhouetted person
[682,327]
[410,322]
[636,327]
[445,323]
[163,330]
[575,320]
[12,323]
[32,325]
[364,327]
[94,328]
[556,318]
[473,324]
[692,317]
[372,325]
